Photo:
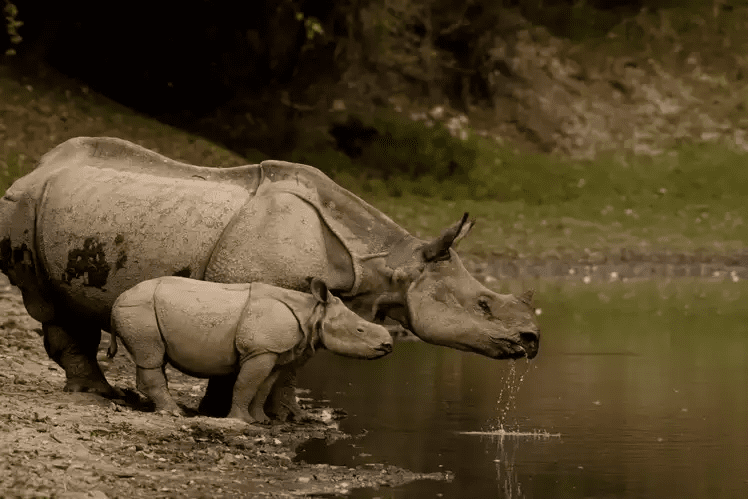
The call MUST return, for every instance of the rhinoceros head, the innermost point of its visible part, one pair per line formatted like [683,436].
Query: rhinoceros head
[442,303]
[342,331]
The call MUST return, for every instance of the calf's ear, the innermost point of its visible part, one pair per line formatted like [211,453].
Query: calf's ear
[319,290]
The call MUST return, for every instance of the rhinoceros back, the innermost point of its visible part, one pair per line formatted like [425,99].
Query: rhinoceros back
[198,323]
[100,231]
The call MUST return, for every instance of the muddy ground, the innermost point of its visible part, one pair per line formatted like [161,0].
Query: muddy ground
[77,445]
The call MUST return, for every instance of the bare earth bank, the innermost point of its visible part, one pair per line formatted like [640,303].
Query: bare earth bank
[76,445]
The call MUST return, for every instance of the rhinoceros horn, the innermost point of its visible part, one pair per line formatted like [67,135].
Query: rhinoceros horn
[438,249]
[527,297]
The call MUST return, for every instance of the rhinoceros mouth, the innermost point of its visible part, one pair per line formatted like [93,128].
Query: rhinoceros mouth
[520,349]
[517,352]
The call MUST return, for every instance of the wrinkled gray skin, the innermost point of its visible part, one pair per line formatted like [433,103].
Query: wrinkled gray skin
[99,215]
[250,330]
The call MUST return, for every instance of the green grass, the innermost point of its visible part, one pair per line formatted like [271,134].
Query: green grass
[36,116]
[686,200]
[527,205]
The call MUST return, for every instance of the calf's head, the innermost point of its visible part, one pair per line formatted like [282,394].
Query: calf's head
[342,331]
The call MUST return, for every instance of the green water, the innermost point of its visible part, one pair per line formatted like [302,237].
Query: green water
[640,389]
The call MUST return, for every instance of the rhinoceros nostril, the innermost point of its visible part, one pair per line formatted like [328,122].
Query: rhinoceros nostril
[529,337]
[385,347]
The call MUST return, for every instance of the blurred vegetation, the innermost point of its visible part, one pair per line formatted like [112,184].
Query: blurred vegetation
[567,127]
[247,74]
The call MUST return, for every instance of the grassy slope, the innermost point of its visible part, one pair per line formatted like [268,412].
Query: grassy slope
[687,201]
[38,114]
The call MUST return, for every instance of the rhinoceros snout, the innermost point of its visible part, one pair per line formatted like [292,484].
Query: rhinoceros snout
[385,347]
[530,341]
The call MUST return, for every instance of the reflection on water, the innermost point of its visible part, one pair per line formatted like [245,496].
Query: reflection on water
[639,390]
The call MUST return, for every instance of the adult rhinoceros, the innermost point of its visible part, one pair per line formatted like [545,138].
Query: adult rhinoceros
[99,215]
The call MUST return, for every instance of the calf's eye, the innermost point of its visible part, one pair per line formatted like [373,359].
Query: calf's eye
[485,308]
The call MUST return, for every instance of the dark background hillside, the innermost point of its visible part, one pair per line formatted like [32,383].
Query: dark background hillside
[570,76]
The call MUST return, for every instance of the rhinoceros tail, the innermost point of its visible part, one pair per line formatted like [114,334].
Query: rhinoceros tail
[112,350]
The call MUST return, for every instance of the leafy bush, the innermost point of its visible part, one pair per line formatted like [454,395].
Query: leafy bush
[394,154]
[410,149]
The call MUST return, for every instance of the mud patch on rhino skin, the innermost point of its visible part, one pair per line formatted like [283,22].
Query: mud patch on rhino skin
[5,255]
[88,263]
[184,272]
[16,261]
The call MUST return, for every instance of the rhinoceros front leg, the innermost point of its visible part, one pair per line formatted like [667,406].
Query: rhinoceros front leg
[282,402]
[257,406]
[77,356]
[252,373]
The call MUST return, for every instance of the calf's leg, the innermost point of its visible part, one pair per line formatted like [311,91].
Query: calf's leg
[77,356]
[256,407]
[152,382]
[252,373]
[134,322]
[282,402]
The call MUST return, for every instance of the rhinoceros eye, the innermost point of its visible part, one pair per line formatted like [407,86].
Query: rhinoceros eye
[483,305]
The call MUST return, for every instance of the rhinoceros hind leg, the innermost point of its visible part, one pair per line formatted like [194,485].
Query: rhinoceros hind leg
[217,400]
[252,374]
[282,403]
[77,356]
[152,382]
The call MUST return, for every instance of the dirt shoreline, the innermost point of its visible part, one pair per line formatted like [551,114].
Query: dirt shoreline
[77,445]
[599,267]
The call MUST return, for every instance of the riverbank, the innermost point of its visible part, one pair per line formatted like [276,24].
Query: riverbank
[79,445]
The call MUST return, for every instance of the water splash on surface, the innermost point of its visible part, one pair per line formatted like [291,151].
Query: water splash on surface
[501,434]
[508,396]
[507,435]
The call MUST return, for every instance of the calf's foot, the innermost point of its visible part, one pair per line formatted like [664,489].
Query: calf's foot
[241,415]
[152,383]
[282,403]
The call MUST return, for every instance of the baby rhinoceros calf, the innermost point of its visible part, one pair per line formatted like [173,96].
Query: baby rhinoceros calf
[210,329]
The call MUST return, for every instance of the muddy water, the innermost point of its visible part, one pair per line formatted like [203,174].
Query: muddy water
[639,390]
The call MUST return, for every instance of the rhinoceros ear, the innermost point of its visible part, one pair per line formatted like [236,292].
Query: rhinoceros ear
[527,297]
[319,290]
[438,249]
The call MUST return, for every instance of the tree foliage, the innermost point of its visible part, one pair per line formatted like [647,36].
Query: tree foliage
[11,26]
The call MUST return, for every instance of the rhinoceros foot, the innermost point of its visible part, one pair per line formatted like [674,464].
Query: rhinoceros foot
[84,375]
[259,416]
[177,413]
[77,356]
[87,385]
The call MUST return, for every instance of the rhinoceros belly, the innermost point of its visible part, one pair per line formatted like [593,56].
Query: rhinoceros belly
[101,231]
[198,323]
